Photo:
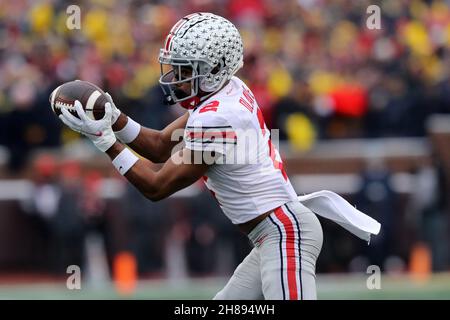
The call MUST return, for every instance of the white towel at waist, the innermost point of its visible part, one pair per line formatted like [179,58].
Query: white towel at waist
[330,205]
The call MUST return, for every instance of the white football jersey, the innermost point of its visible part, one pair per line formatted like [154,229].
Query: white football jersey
[248,179]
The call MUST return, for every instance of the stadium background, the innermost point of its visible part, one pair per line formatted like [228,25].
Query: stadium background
[364,113]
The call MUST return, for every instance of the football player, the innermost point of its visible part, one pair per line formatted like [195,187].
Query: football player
[225,142]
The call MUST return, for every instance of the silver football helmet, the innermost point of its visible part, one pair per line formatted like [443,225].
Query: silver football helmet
[209,47]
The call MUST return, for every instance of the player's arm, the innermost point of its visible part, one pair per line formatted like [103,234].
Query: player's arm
[155,145]
[178,172]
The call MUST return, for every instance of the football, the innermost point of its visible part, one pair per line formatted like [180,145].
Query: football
[91,97]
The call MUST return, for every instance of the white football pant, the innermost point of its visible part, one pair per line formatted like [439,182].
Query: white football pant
[282,264]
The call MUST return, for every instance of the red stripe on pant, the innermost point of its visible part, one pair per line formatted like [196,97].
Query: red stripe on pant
[291,262]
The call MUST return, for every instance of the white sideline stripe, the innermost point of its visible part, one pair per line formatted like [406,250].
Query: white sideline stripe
[400,182]
[439,123]
[378,148]
[22,189]
[339,183]
[112,188]
[91,102]
[15,189]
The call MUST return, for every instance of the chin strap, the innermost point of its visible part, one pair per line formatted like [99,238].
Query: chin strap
[168,99]
[190,103]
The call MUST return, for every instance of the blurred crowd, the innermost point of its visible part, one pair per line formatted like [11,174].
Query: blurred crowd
[317,71]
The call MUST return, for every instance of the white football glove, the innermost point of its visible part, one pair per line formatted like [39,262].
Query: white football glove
[115,111]
[98,131]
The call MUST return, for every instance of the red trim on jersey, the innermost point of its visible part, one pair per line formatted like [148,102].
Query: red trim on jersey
[272,153]
[215,134]
[262,124]
[277,164]
[283,172]
[290,255]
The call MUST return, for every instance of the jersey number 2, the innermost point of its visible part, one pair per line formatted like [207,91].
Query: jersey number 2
[212,106]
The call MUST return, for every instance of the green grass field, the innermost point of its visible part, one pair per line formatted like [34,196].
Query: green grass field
[329,287]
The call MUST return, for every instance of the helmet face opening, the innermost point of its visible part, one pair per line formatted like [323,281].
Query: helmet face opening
[175,75]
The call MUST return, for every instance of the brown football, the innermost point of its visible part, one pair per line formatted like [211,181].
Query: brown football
[91,97]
